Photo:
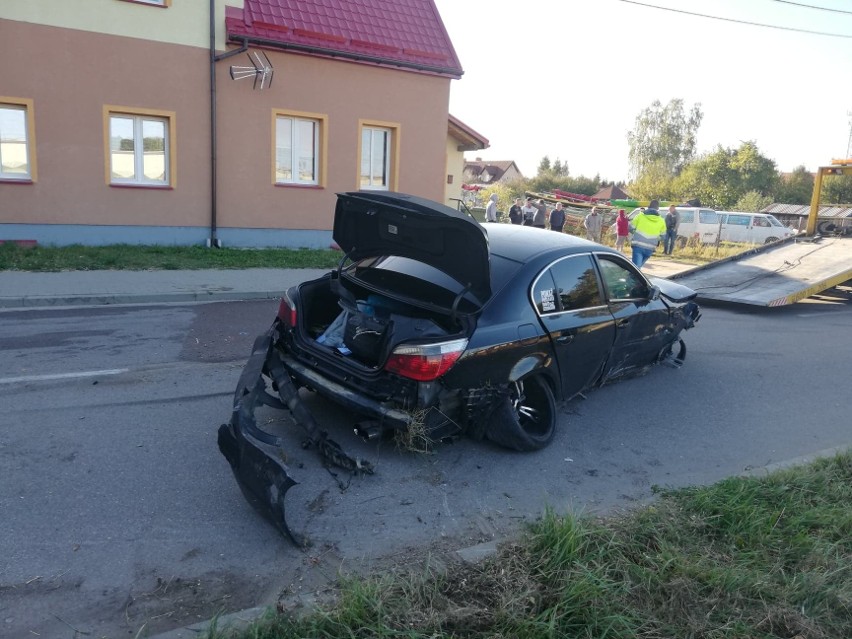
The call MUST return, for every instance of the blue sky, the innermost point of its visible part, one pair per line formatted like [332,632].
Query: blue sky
[567,78]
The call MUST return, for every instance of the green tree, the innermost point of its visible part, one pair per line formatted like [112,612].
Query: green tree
[655,182]
[505,197]
[795,188]
[836,189]
[663,134]
[753,202]
[544,166]
[720,178]
[559,169]
[755,172]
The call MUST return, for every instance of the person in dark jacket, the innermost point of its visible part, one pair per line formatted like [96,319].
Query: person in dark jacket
[672,223]
[516,215]
[557,218]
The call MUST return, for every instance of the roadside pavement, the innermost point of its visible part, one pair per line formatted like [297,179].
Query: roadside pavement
[19,289]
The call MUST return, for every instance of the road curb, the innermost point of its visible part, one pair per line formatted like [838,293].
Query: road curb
[762,471]
[34,302]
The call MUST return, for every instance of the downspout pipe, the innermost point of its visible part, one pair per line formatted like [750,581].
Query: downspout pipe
[213,240]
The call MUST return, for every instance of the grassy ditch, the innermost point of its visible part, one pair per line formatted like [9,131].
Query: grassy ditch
[759,557]
[127,257]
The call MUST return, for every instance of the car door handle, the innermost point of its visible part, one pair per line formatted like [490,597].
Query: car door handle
[565,339]
[622,323]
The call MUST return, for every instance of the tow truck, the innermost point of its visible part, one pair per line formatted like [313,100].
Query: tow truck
[786,271]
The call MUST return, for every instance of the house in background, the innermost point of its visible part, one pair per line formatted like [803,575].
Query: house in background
[125,125]
[485,173]
[460,138]
[611,192]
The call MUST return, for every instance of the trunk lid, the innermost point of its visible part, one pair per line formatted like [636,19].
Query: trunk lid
[371,224]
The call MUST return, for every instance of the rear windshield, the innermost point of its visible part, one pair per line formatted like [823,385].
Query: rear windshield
[414,281]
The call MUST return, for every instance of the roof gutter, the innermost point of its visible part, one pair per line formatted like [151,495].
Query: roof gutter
[356,57]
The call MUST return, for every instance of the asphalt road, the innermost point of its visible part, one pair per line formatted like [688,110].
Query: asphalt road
[117,512]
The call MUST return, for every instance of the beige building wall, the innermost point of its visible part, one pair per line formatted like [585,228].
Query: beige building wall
[79,73]
[182,22]
[455,168]
[346,93]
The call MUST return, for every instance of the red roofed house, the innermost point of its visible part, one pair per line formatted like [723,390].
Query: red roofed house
[124,123]
[484,172]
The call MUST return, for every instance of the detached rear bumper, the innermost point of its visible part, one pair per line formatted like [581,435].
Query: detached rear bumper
[261,475]
[255,455]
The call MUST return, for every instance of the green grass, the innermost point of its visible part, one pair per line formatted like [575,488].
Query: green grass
[759,557]
[127,257]
[138,258]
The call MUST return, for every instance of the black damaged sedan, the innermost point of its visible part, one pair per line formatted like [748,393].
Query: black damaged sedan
[435,321]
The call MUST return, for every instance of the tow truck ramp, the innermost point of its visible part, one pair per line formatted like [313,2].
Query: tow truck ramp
[774,275]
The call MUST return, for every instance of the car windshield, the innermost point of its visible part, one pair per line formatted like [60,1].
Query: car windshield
[774,221]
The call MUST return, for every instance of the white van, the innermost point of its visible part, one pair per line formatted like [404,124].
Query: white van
[698,224]
[754,228]
[706,225]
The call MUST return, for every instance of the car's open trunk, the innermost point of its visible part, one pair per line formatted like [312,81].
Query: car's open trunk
[364,326]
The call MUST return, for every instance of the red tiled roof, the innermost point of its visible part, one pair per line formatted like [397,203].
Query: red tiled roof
[405,33]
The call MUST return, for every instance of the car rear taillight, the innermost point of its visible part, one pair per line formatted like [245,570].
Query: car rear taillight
[287,311]
[425,362]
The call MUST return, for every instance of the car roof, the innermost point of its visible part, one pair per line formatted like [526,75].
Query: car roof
[526,243]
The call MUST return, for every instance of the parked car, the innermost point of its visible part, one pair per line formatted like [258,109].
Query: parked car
[436,321]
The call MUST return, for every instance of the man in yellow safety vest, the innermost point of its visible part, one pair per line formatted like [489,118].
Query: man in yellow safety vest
[648,229]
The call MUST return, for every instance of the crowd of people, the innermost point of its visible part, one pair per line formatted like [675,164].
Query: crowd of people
[647,230]
[532,212]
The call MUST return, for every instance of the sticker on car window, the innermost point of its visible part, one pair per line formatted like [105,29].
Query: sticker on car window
[548,302]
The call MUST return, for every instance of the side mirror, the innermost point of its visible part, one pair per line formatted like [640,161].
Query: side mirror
[654,293]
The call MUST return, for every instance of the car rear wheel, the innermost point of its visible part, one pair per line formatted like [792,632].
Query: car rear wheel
[526,419]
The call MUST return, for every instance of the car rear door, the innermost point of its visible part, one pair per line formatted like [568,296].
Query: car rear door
[569,300]
[641,323]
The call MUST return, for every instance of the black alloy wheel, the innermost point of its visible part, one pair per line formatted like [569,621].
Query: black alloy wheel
[526,420]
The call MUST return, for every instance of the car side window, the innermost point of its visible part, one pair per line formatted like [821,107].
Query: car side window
[576,283]
[739,220]
[687,216]
[621,282]
[708,217]
[759,221]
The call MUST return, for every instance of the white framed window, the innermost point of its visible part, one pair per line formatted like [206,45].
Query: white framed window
[140,147]
[297,150]
[376,157]
[17,139]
